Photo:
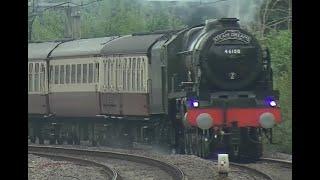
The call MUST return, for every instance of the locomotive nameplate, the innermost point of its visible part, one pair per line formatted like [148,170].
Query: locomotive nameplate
[231,35]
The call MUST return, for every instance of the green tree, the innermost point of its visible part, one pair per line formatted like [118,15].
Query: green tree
[107,18]
[280,45]
[48,26]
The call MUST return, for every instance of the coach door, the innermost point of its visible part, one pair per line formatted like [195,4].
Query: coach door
[110,96]
[37,87]
[124,85]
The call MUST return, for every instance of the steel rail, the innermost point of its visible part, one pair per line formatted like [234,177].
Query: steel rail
[108,170]
[280,161]
[241,166]
[169,168]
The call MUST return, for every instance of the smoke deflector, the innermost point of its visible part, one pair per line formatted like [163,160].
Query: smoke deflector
[229,22]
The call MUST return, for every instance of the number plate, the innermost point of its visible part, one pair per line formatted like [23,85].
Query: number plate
[232,51]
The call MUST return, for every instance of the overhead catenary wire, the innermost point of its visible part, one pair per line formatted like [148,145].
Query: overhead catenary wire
[61,5]
[68,6]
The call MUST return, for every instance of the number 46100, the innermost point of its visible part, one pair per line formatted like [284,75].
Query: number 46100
[232,51]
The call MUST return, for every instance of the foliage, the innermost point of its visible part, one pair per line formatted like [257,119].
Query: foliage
[279,44]
[54,27]
[275,15]
[107,18]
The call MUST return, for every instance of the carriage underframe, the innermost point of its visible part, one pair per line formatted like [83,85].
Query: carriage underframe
[157,134]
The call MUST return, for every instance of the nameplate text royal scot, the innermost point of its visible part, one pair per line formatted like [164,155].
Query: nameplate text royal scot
[231,35]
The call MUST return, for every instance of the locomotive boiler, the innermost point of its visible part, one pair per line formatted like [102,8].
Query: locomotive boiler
[198,90]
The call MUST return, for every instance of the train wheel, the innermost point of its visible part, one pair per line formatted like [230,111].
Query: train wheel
[186,142]
[198,143]
[190,142]
[52,141]
[60,141]
[234,153]
[202,148]
[41,140]
[69,140]
[94,143]
[92,134]
[32,139]
[245,145]
[77,141]
[251,146]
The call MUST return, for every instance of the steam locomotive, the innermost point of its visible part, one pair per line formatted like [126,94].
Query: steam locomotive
[197,90]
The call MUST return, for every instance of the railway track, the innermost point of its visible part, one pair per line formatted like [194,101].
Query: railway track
[278,169]
[126,165]
[266,168]
[252,173]
[238,170]
[279,161]
[108,172]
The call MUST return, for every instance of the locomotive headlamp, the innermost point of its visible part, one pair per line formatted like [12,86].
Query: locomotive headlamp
[270,102]
[267,120]
[273,103]
[195,104]
[204,121]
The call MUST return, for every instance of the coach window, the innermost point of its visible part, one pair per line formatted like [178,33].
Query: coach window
[30,67]
[67,74]
[141,74]
[90,79]
[108,73]
[111,70]
[118,75]
[124,74]
[129,74]
[62,74]
[121,74]
[51,74]
[144,76]
[78,73]
[138,74]
[113,74]
[36,77]
[30,77]
[56,74]
[96,73]
[42,77]
[85,73]
[105,72]
[73,73]
[134,74]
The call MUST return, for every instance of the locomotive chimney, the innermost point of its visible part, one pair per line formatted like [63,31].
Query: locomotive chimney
[229,22]
[210,24]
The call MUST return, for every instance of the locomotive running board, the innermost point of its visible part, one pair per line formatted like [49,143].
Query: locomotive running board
[232,95]
[174,95]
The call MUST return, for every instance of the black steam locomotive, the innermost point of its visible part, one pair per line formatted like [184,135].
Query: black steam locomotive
[196,90]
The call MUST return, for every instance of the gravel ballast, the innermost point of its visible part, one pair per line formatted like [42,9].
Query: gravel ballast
[193,167]
[44,168]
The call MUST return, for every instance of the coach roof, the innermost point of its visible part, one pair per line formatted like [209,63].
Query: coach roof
[81,47]
[40,50]
[136,44]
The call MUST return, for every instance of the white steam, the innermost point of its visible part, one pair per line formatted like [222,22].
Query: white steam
[245,10]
